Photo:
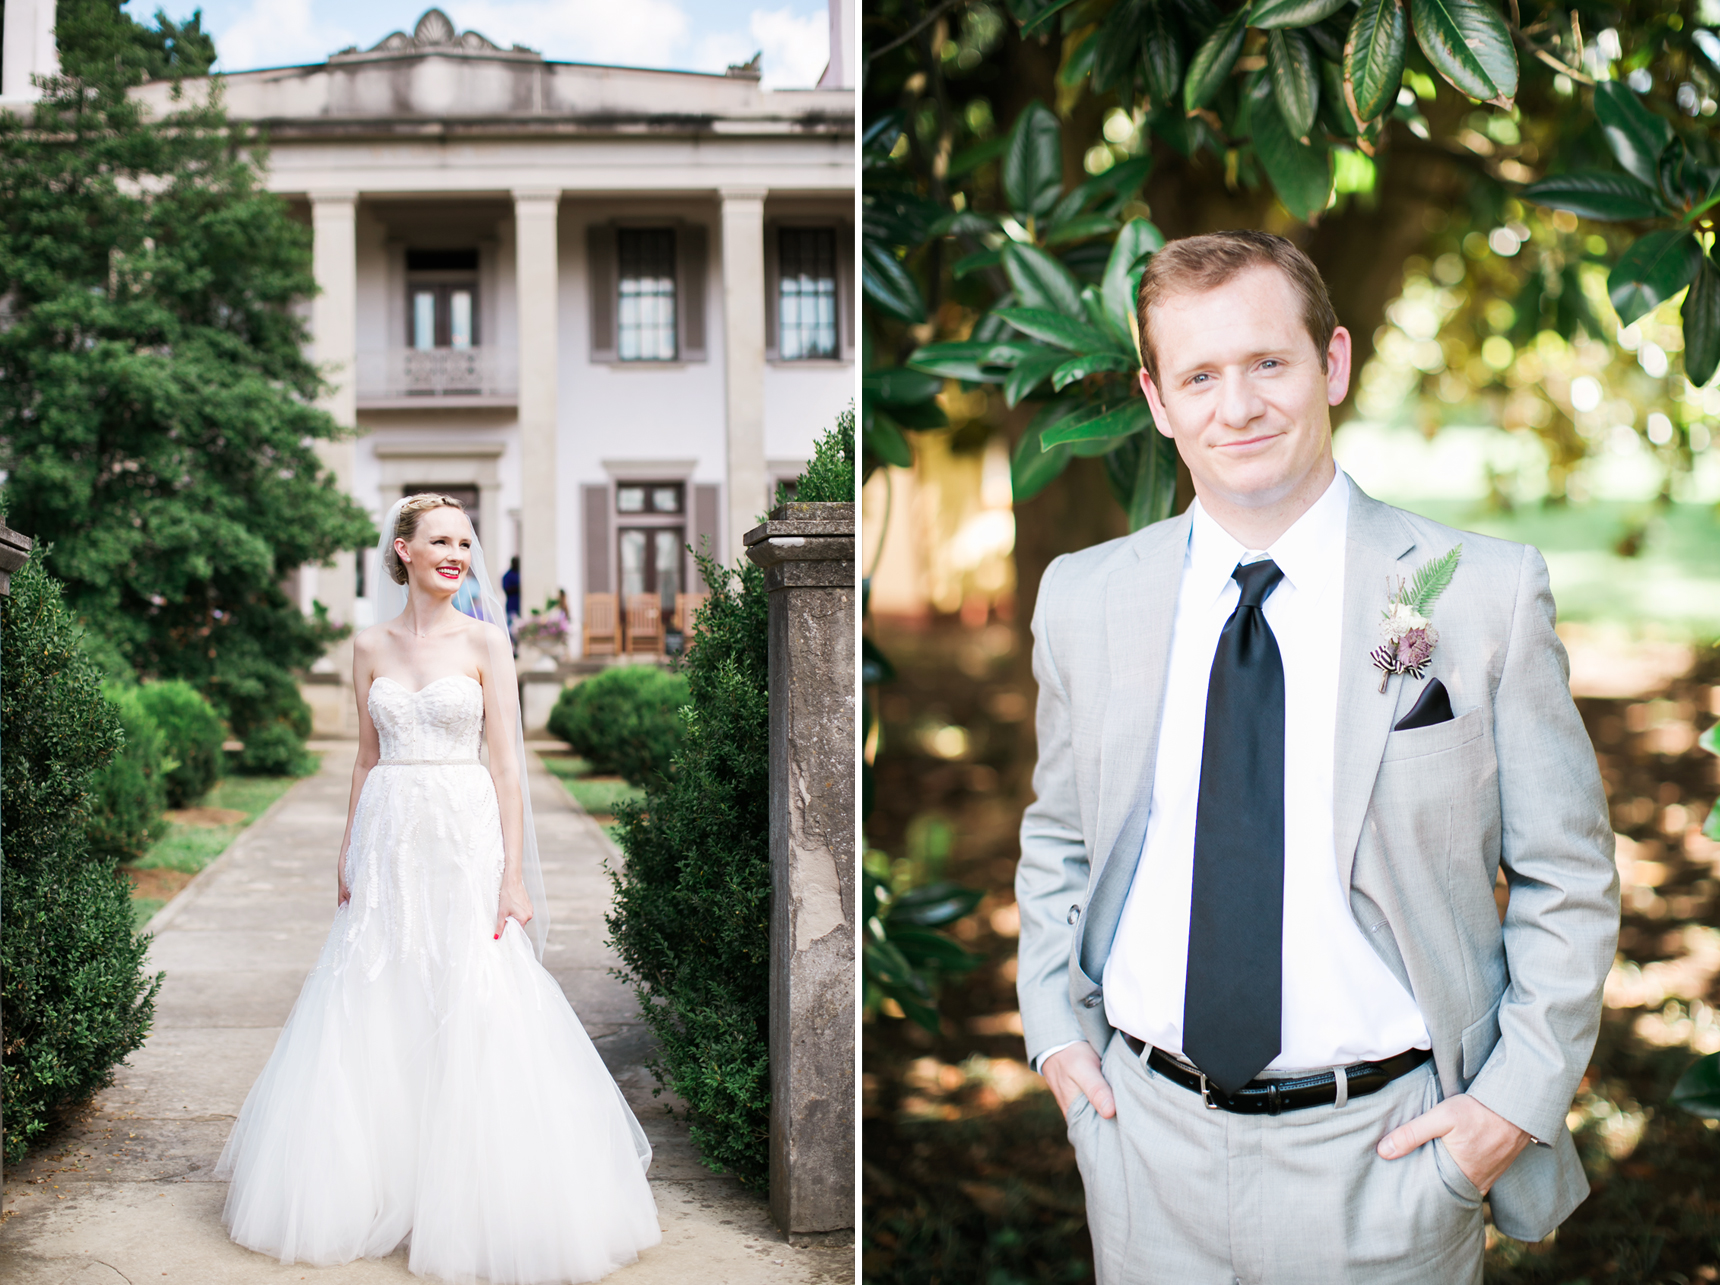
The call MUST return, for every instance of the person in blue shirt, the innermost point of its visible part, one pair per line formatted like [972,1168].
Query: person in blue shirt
[511,590]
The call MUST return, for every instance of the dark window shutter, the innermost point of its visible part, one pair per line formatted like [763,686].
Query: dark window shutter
[596,499]
[600,280]
[846,300]
[772,288]
[707,537]
[690,307]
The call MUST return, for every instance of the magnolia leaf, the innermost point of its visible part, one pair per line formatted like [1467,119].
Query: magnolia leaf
[1373,57]
[1033,162]
[1651,271]
[1698,1089]
[1047,10]
[1161,55]
[1054,328]
[1135,243]
[1130,417]
[1040,281]
[1290,62]
[1301,173]
[978,261]
[1142,471]
[1213,60]
[1598,194]
[1636,135]
[899,386]
[1029,373]
[1335,111]
[884,440]
[964,361]
[1087,364]
[1469,44]
[1701,316]
[888,285]
[1269,14]
[1080,228]
[1031,467]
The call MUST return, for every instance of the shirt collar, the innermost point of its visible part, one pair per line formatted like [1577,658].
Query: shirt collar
[1310,553]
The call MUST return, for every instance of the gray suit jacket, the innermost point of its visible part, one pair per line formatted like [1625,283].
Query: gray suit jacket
[1424,818]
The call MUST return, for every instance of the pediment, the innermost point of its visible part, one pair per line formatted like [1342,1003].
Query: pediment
[434,33]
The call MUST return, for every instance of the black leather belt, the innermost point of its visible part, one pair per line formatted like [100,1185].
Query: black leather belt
[1270,1097]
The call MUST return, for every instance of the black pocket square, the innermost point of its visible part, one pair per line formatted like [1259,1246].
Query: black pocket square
[1433,706]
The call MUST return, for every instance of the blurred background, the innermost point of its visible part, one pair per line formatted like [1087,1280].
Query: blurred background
[1499,389]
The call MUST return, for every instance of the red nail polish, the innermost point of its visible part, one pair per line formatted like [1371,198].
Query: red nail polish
[497,937]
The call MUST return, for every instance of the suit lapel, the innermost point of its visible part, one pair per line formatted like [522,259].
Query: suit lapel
[1140,611]
[1377,544]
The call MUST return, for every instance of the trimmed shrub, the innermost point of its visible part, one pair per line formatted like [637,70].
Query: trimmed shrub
[691,916]
[829,476]
[625,720]
[275,749]
[193,733]
[75,997]
[129,793]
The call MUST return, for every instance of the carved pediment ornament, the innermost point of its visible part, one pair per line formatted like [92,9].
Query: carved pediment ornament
[435,31]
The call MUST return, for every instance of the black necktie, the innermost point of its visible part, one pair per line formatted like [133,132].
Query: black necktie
[1232,1007]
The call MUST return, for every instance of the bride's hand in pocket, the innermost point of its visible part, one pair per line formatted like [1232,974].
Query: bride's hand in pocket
[513,904]
[343,894]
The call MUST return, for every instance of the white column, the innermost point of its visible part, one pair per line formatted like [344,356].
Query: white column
[537,281]
[743,355]
[29,50]
[334,340]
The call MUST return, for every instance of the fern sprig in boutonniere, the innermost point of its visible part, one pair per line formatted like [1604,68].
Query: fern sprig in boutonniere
[1409,639]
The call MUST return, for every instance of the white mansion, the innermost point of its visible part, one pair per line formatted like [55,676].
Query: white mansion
[608,307]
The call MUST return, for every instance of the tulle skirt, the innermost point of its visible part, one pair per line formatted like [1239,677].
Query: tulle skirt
[433,1085]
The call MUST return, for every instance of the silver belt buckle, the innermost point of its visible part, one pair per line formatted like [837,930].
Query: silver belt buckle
[1205,1096]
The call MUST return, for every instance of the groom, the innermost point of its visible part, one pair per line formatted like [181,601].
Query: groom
[1262,966]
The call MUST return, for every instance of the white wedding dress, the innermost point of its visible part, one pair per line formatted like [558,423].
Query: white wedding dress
[432,1083]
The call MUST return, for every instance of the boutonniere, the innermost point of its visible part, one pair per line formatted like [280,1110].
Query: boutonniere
[1409,638]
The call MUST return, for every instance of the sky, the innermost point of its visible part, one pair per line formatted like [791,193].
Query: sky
[686,35]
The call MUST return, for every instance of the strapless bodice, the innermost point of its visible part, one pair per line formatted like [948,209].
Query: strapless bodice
[443,720]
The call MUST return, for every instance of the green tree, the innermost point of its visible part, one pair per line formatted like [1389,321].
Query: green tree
[157,417]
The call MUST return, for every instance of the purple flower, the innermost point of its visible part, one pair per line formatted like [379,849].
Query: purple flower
[1414,650]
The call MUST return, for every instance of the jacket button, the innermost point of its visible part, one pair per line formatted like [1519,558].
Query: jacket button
[1074,914]
[1093,1001]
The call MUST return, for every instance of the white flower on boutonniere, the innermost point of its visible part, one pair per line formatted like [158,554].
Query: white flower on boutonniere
[1409,637]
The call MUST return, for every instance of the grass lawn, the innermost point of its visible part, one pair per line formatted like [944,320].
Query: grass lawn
[188,847]
[598,795]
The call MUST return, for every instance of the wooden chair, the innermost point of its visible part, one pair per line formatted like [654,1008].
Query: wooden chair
[644,624]
[602,630]
[686,607]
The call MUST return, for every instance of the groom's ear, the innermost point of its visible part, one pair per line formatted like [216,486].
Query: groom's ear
[1155,403]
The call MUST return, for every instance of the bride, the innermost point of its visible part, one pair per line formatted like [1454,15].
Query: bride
[432,1084]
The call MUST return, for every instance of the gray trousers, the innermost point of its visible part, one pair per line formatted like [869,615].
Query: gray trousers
[1184,1195]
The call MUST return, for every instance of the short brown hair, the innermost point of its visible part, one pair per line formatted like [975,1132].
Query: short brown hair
[1196,264]
[406,526]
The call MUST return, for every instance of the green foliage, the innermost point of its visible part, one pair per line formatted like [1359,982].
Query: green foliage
[128,794]
[903,957]
[72,988]
[193,734]
[99,42]
[1431,578]
[276,749]
[625,720]
[158,414]
[1698,1089]
[829,477]
[691,917]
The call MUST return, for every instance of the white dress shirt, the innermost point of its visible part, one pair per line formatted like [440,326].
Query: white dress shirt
[1340,1003]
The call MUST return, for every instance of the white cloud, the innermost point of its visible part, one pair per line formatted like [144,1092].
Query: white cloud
[278,33]
[638,33]
[795,48]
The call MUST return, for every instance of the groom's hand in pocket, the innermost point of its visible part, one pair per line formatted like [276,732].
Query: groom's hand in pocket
[1076,1070]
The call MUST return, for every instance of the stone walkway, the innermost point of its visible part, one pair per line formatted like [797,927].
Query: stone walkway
[128,1194]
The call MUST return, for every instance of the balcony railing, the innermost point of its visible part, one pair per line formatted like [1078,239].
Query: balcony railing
[409,374]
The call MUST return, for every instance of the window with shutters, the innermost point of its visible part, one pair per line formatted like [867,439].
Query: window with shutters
[806,293]
[645,315]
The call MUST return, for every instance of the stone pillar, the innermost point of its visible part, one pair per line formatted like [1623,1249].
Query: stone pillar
[807,552]
[334,337]
[27,49]
[537,281]
[743,358]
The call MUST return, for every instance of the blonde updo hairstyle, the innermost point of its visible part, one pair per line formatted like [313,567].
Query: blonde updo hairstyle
[406,526]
